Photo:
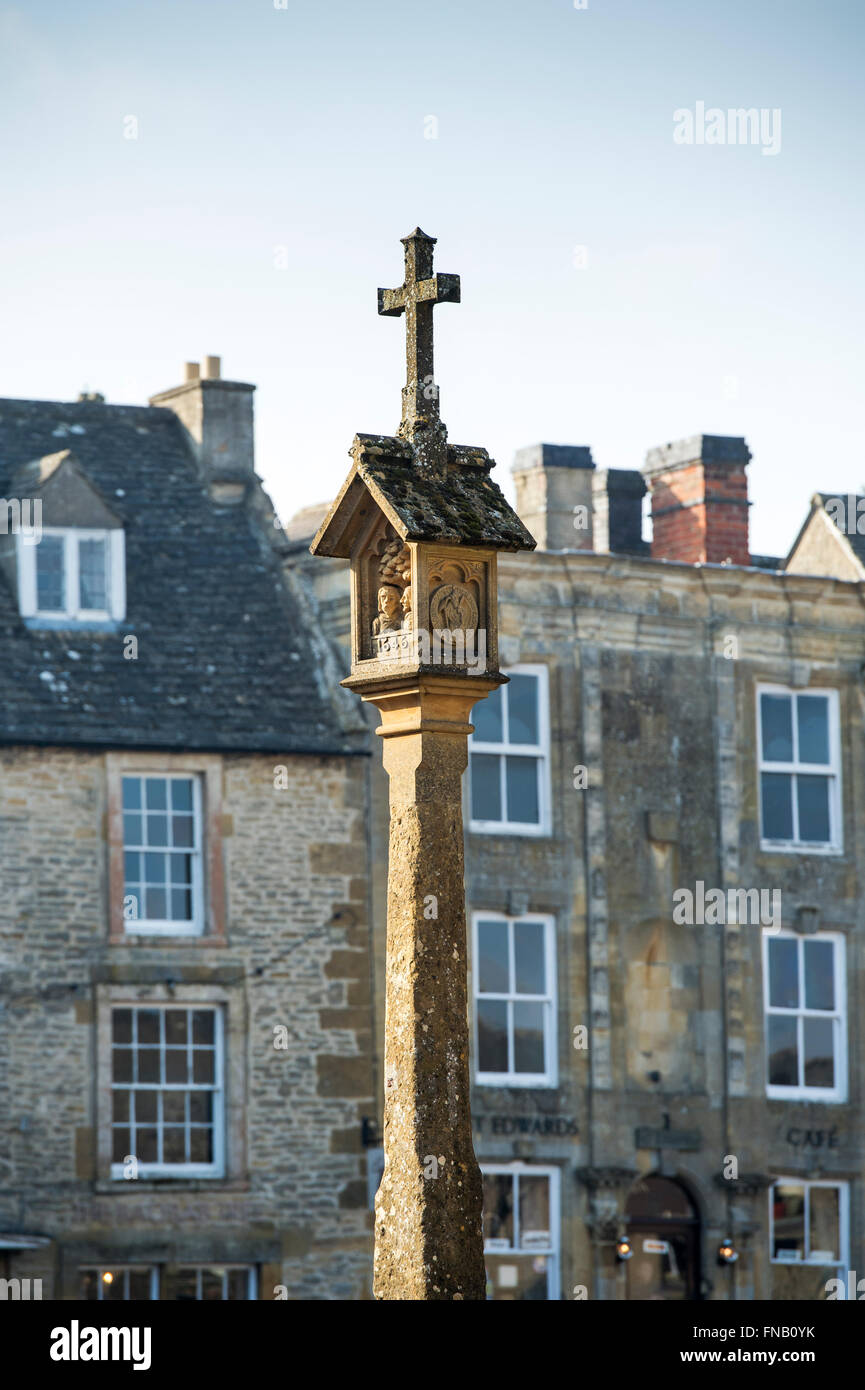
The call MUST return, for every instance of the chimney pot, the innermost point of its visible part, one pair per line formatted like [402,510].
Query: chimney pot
[212,368]
[190,371]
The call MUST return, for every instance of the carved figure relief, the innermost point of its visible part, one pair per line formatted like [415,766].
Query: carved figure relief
[393,597]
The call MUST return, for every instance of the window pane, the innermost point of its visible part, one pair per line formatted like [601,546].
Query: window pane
[202,1025]
[89,1285]
[493,967]
[203,1072]
[185,1286]
[819,1052]
[522,698]
[517,1277]
[92,574]
[238,1283]
[173,1144]
[521,776]
[147,1060]
[132,793]
[783,1051]
[176,1021]
[121,1025]
[529,1037]
[176,1065]
[813,713]
[486,787]
[819,975]
[776,713]
[487,718]
[148,1026]
[132,829]
[157,830]
[789,1219]
[174,1107]
[121,1144]
[529,958]
[181,793]
[201,1146]
[182,831]
[146,1103]
[813,795]
[534,1222]
[50,576]
[777,805]
[492,1035]
[156,905]
[146,1145]
[499,1207]
[113,1289]
[121,1065]
[784,974]
[824,1223]
[139,1285]
[200,1107]
[211,1285]
[156,793]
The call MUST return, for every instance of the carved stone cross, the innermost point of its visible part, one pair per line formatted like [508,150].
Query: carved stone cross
[422,522]
[421,291]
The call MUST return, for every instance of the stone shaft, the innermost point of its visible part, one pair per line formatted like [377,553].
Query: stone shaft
[428,1229]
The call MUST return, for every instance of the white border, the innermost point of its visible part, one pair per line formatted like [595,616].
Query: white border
[535,1170]
[837,1094]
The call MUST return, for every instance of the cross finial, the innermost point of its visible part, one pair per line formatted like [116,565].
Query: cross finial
[420,291]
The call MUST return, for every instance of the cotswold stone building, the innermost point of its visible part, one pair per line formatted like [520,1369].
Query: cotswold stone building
[665,812]
[185,1010]
[666,836]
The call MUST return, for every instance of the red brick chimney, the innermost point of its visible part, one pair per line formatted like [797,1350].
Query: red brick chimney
[700,504]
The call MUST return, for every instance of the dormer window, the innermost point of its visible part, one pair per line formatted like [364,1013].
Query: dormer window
[72,573]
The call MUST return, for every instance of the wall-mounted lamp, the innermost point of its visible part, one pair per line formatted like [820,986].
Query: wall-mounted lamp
[624,1249]
[727,1253]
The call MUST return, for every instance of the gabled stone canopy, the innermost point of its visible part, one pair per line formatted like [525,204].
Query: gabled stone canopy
[457,505]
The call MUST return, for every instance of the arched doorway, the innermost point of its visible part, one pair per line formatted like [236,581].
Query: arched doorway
[663,1227]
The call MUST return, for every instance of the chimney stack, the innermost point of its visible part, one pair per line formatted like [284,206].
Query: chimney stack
[218,422]
[554,494]
[617,501]
[699,494]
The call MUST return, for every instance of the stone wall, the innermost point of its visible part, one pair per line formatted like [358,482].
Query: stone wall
[296,956]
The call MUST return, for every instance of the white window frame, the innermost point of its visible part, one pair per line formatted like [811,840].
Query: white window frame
[835,1094]
[539,751]
[843,1259]
[830,770]
[535,1170]
[549,1077]
[71,536]
[216,1169]
[125,1270]
[251,1278]
[145,926]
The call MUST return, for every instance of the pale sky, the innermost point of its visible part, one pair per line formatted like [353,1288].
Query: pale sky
[281,154]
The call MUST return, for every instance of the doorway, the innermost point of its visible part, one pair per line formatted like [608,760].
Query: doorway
[663,1226]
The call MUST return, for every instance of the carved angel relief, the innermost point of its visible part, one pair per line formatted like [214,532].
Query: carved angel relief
[394,599]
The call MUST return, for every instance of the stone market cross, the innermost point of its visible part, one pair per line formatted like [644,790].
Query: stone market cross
[422,522]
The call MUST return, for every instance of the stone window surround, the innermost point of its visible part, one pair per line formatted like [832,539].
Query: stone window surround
[208,768]
[110,996]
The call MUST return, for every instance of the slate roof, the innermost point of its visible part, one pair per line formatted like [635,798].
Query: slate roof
[225,660]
